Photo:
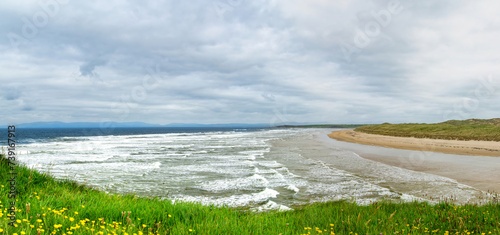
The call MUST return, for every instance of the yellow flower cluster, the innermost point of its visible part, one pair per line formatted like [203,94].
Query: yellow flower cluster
[68,225]
[317,230]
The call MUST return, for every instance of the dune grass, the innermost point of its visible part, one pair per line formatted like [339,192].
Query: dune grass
[65,207]
[471,129]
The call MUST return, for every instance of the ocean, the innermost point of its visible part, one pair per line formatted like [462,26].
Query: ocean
[258,168]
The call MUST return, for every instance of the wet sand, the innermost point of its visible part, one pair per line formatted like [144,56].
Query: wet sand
[458,163]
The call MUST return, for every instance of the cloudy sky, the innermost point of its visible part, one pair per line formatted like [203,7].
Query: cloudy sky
[259,61]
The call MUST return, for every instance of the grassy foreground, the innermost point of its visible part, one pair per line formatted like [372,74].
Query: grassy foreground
[471,129]
[64,207]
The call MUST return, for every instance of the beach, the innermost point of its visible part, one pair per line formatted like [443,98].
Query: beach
[479,148]
[265,168]
[473,163]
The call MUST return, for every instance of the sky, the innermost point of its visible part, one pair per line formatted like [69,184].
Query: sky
[242,61]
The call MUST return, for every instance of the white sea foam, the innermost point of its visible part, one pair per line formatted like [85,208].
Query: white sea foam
[235,200]
[270,164]
[271,206]
[293,188]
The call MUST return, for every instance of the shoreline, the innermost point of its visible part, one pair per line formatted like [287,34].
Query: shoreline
[461,147]
[465,164]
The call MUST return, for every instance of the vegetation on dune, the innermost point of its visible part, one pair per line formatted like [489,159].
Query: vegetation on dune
[49,206]
[471,129]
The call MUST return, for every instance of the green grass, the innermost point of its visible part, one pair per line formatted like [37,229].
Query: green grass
[77,209]
[472,129]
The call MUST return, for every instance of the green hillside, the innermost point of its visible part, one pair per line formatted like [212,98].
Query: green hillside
[471,129]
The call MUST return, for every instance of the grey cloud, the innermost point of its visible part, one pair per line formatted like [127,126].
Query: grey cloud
[87,68]
[249,60]
[11,93]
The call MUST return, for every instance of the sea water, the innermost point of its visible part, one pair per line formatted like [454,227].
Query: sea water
[253,168]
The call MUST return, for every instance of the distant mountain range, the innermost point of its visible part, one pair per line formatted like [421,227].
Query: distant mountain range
[84,124]
[129,124]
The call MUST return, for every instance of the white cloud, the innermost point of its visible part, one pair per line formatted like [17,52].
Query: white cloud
[250,61]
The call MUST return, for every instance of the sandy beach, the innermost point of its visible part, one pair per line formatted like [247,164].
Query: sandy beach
[474,163]
[478,148]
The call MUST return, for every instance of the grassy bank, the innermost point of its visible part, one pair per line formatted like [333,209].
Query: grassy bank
[472,129]
[64,207]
